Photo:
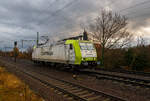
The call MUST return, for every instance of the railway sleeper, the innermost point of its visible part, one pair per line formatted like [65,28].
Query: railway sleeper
[63,85]
[81,93]
[70,88]
[86,95]
[76,90]
[93,98]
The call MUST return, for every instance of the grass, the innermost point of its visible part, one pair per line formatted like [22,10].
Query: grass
[13,89]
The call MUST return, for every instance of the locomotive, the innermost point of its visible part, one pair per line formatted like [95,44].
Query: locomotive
[68,52]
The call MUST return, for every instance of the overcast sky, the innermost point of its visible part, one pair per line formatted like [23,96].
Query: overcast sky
[21,19]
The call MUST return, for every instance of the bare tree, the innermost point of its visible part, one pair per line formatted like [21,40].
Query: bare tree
[109,29]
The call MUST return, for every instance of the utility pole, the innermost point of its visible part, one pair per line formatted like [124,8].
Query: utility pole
[22,41]
[37,39]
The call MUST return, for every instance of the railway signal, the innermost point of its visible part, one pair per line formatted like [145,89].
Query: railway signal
[16,51]
[37,39]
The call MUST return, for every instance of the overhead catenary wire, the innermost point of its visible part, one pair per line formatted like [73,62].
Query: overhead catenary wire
[72,3]
[137,14]
[69,4]
[112,2]
[64,7]
[132,13]
[53,14]
[51,4]
[135,5]
[59,10]
[142,15]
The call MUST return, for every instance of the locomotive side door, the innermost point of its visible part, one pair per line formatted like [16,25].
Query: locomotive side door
[67,53]
[71,54]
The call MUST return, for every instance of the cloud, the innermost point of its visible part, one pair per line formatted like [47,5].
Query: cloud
[22,19]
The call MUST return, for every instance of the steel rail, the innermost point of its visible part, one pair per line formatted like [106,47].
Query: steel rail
[125,71]
[128,80]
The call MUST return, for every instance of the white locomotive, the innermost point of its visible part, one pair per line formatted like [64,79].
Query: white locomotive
[70,52]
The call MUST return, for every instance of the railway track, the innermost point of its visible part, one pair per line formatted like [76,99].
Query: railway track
[119,78]
[76,92]
[125,71]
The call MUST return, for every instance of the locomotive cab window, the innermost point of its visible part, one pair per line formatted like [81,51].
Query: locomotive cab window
[86,46]
[71,46]
[90,46]
[83,46]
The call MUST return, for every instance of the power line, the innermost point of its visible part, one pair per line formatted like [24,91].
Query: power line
[133,6]
[59,10]
[146,14]
[131,13]
[141,3]
[65,6]
[53,3]
[50,4]
[100,7]
[70,3]
[112,2]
